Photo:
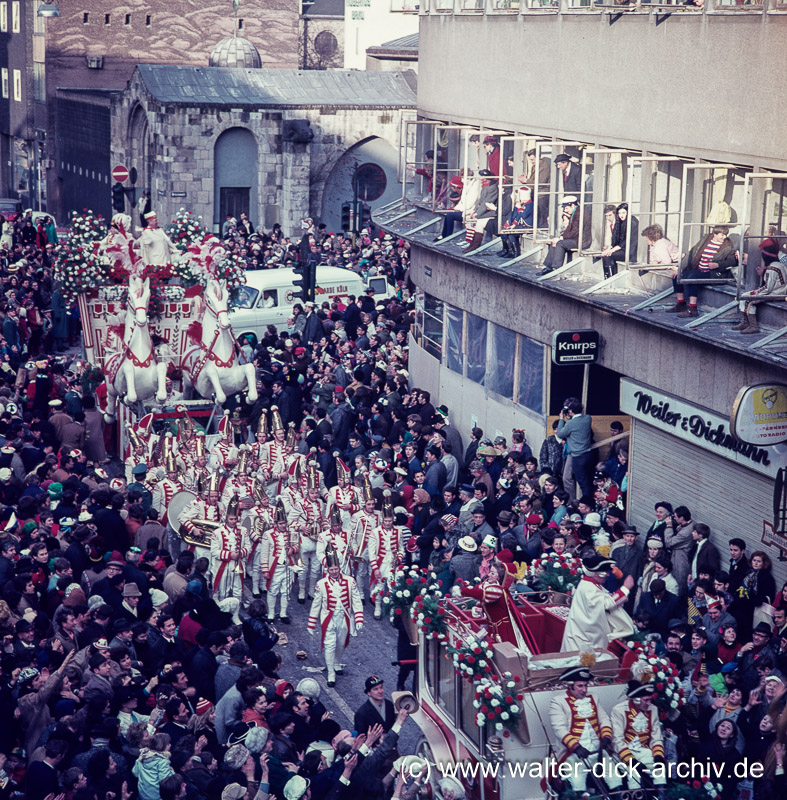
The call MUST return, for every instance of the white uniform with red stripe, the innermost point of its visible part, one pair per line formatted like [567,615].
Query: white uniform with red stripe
[163,492]
[222,452]
[385,552]
[265,513]
[274,457]
[228,573]
[361,529]
[311,511]
[235,485]
[199,509]
[338,609]
[339,542]
[347,500]
[275,568]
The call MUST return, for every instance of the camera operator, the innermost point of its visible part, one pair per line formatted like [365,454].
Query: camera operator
[574,428]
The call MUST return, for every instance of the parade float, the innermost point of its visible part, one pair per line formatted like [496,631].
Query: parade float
[154,308]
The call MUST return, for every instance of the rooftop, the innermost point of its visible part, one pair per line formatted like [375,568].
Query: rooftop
[404,44]
[633,293]
[277,88]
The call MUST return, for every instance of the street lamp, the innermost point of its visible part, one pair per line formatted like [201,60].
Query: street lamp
[47,9]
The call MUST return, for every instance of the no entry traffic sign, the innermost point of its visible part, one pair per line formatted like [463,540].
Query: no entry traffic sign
[120,173]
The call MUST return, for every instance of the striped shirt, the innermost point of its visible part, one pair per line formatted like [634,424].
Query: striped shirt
[706,259]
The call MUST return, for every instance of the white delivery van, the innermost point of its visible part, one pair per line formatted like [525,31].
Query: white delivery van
[267,297]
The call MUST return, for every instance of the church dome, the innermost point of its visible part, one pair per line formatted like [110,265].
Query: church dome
[235,51]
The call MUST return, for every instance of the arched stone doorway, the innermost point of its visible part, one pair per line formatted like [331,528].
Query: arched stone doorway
[235,171]
[377,163]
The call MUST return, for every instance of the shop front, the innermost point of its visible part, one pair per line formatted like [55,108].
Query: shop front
[687,455]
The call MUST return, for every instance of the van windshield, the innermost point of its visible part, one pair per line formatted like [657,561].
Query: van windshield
[246,297]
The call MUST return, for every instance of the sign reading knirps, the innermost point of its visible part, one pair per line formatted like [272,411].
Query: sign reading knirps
[575,347]
[693,424]
[759,414]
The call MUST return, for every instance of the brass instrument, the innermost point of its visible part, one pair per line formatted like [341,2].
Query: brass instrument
[312,530]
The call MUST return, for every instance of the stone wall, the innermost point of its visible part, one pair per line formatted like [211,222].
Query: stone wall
[291,177]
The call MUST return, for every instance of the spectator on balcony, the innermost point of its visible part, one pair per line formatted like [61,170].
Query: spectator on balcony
[467,202]
[538,176]
[710,259]
[436,179]
[773,285]
[569,179]
[569,239]
[492,150]
[616,251]
[485,209]
[660,249]
[521,216]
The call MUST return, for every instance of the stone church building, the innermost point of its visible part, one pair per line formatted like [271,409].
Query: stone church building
[276,143]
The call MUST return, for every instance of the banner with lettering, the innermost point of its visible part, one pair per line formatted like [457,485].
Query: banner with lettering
[696,425]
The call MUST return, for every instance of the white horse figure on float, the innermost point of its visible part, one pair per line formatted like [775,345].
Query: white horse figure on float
[211,367]
[133,373]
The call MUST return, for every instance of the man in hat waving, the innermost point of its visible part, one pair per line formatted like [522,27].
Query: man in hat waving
[584,729]
[636,730]
[596,615]
[337,607]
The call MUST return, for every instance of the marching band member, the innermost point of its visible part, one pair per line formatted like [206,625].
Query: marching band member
[338,609]
[257,447]
[199,467]
[224,453]
[279,553]
[361,527]
[312,515]
[273,453]
[336,535]
[291,495]
[186,439]
[136,454]
[261,519]
[238,481]
[205,507]
[144,431]
[385,553]
[343,494]
[636,730]
[163,492]
[583,727]
[229,548]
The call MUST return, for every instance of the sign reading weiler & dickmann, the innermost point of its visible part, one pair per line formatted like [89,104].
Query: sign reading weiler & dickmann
[694,424]
[575,347]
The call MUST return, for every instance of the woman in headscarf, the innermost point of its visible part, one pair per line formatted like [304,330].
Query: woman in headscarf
[616,252]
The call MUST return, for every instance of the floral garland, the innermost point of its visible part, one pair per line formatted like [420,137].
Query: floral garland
[430,614]
[559,572]
[668,695]
[472,659]
[498,704]
[402,593]
[694,790]
[78,265]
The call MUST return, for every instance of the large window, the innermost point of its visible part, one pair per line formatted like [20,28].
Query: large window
[502,361]
[476,348]
[433,326]
[446,685]
[15,17]
[455,326]
[530,389]
[4,17]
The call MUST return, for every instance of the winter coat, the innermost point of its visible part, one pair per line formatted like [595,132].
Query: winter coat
[150,769]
